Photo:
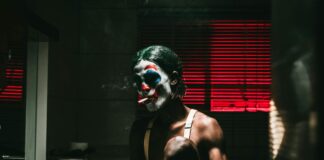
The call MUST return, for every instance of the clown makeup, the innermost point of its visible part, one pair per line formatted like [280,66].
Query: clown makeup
[153,85]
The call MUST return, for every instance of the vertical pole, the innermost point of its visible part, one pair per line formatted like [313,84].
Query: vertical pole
[36,98]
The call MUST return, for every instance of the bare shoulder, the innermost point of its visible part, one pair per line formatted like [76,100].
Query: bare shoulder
[210,140]
[208,127]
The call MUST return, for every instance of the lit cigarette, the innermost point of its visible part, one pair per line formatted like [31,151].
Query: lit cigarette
[142,100]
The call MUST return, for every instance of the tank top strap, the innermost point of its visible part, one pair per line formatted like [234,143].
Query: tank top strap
[147,138]
[188,125]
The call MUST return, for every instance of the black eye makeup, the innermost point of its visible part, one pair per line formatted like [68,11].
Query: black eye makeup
[152,78]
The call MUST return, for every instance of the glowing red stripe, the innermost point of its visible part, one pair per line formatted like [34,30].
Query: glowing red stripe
[239,89]
[233,78]
[226,48]
[14,70]
[220,77]
[11,93]
[250,103]
[230,83]
[241,69]
[233,109]
[226,73]
[239,92]
[234,101]
[240,63]
[12,90]
[227,53]
[11,97]
[11,86]
[227,109]
[230,59]
[192,66]
[240,96]
[15,77]
[229,79]
[222,54]
[14,73]
[215,69]
[240,75]
[235,83]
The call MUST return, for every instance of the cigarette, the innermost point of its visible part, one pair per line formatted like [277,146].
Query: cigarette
[142,100]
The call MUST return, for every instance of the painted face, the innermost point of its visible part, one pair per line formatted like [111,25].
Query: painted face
[153,85]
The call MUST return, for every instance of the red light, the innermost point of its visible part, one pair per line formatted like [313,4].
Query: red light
[238,55]
[226,63]
[11,93]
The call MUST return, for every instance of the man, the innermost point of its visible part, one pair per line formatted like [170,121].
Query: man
[158,77]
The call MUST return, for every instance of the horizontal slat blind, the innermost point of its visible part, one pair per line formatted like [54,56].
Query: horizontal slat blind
[12,72]
[226,62]
[240,65]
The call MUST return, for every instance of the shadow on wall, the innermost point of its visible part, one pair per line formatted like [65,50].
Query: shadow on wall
[294,77]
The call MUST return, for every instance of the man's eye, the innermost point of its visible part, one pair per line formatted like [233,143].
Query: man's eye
[152,78]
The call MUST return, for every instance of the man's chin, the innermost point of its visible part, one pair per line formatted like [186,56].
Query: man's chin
[152,108]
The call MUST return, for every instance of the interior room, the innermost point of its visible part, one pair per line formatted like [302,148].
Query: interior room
[67,89]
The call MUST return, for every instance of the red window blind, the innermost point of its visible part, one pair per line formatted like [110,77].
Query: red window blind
[12,74]
[226,62]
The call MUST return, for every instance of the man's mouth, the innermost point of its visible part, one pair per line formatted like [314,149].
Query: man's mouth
[146,100]
[143,100]
[152,96]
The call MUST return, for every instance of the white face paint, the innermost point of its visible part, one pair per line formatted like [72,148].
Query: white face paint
[152,83]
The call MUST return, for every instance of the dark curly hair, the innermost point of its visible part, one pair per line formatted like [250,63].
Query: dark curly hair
[168,61]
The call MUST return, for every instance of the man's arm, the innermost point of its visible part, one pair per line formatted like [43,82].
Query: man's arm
[216,154]
[215,135]
[212,138]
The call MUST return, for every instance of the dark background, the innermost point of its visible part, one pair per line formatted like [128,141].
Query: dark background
[90,96]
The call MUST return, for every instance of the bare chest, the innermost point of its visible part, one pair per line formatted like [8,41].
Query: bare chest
[161,135]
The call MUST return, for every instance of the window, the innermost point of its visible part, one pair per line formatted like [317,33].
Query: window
[12,74]
[226,62]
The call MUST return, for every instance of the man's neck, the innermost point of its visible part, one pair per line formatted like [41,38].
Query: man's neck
[172,112]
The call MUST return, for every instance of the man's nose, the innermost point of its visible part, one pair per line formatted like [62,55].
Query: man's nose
[145,87]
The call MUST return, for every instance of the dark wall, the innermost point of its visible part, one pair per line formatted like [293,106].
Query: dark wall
[63,77]
[108,34]
[295,76]
[90,98]
[90,93]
